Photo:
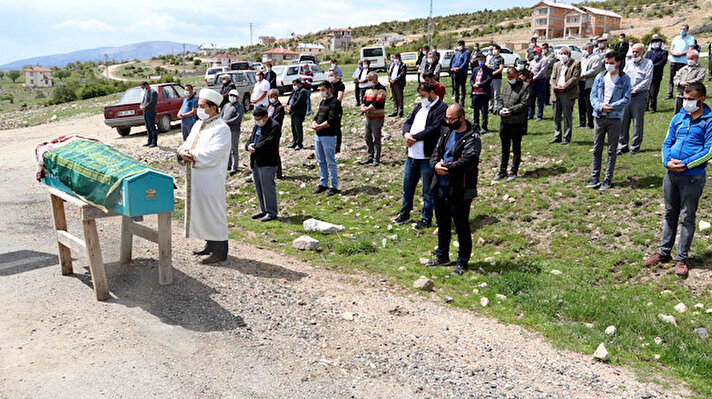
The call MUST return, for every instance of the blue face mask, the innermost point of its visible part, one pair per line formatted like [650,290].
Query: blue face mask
[683,32]
[480,63]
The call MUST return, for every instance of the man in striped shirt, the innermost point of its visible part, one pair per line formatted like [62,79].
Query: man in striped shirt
[373,107]
[307,77]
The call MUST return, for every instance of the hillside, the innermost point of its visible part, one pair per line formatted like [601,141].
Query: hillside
[140,51]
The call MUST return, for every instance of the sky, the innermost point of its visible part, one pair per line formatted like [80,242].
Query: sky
[43,27]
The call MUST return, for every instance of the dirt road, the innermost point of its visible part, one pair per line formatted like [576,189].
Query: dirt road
[261,325]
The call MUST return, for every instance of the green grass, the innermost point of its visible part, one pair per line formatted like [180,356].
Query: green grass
[597,240]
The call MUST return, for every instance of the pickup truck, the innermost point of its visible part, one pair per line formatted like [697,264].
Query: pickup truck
[244,83]
[127,112]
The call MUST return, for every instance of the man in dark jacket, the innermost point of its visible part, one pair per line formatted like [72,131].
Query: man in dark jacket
[659,57]
[455,161]
[421,131]
[480,83]
[459,64]
[297,107]
[396,77]
[270,76]
[516,95]
[231,114]
[148,106]
[327,123]
[622,49]
[263,146]
[227,85]
[686,151]
[275,110]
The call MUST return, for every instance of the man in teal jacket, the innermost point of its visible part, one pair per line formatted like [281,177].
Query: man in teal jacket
[686,150]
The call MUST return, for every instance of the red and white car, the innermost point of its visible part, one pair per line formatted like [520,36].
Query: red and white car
[127,112]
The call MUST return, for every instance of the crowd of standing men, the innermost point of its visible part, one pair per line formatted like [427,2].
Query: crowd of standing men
[614,89]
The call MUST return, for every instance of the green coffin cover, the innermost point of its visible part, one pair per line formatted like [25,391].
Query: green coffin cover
[92,170]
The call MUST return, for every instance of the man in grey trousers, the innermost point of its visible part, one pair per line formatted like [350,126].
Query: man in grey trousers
[610,94]
[231,114]
[263,146]
[148,106]
[564,80]
[640,72]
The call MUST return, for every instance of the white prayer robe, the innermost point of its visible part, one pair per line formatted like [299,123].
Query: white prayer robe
[208,202]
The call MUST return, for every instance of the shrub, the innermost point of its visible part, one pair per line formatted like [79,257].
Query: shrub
[63,94]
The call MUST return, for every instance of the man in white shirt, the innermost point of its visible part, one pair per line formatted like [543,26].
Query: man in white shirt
[260,92]
[421,132]
[679,47]
[640,72]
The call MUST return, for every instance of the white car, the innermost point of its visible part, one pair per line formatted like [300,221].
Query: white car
[286,74]
[211,73]
[576,52]
[377,56]
[510,57]
[446,59]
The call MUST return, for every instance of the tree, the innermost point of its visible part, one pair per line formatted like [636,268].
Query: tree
[13,75]
[2,74]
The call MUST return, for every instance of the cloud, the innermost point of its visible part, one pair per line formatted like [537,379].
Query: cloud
[86,25]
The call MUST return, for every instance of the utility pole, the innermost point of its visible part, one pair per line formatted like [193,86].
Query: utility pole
[251,33]
[183,60]
[430,25]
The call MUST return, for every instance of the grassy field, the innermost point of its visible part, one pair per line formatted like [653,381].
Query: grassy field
[544,221]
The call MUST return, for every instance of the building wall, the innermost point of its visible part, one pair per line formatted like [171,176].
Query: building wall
[38,79]
[555,24]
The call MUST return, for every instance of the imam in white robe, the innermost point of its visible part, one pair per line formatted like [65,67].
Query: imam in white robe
[208,204]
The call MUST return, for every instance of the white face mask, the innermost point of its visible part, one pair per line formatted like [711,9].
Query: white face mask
[621,40]
[520,67]
[691,62]
[512,81]
[690,106]
[601,45]
[611,67]
[637,59]
[225,81]
[424,102]
[331,79]
[537,56]
[459,48]
[233,99]
[564,58]
[333,65]
[430,60]
[495,52]
[260,122]
[655,45]
[186,93]
[323,94]
[202,115]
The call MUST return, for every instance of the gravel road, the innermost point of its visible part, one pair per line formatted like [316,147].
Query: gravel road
[262,325]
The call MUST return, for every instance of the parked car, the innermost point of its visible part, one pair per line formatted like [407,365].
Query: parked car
[256,66]
[446,59]
[241,66]
[210,74]
[127,113]
[287,73]
[377,56]
[510,57]
[307,57]
[576,52]
[409,58]
[244,83]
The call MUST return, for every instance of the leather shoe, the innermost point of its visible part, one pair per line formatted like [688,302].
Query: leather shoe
[207,249]
[219,253]
[258,215]
[555,141]
[438,262]
[268,218]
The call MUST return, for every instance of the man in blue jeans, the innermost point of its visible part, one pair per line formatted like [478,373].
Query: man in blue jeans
[148,106]
[326,124]
[421,132]
[188,111]
[686,150]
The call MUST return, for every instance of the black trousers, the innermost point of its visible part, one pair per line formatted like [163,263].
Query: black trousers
[510,134]
[480,103]
[674,67]
[654,90]
[357,93]
[547,94]
[585,109]
[447,211]
[460,88]
[297,129]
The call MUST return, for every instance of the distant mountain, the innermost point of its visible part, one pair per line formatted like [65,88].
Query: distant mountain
[141,51]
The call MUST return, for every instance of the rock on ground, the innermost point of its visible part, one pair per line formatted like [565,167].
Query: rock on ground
[306,243]
[314,225]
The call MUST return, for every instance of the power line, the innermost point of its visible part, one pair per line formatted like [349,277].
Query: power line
[430,24]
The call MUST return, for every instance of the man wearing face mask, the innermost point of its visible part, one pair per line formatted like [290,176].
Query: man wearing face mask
[455,160]
[515,103]
[275,110]
[188,110]
[622,49]
[496,64]
[231,114]
[355,76]
[363,78]
[640,72]
[297,107]
[422,61]
[473,56]
[458,69]
[307,77]
[206,152]
[686,150]
[260,91]
[530,49]
[326,125]
[263,146]
[396,77]
[548,52]
[609,97]
[679,47]
[148,106]
[227,85]
[564,80]
[539,66]
[270,76]
[659,58]
[691,73]
[373,107]
[480,82]
[591,66]
[420,132]
[335,67]
[523,73]
[433,65]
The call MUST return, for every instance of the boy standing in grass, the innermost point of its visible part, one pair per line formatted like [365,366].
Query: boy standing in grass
[686,150]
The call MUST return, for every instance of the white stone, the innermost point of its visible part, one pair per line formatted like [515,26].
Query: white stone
[667,318]
[448,299]
[54,118]
[656,356]
[484,301]
[475,291]
[704,225]
[423,261]
[489,259]
[424,284]
[658,341]
[482,285]
[306,243]
[314,225]
[348,316]
[402,269]
[665,292]
[601,353]
[699,306]
[556,272]
[681,307]
[611,330]
[708,311]
[500,296]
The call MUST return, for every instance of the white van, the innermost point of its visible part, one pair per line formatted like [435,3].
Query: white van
[377,56]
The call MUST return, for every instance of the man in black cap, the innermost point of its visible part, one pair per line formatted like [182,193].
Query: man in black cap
[263,146]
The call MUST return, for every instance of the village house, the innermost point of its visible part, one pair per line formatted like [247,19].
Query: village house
[389,39]
[310,48]
[38,77]
[551,19]
[279,55]
[222,60]
[267,40]
[339,39]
